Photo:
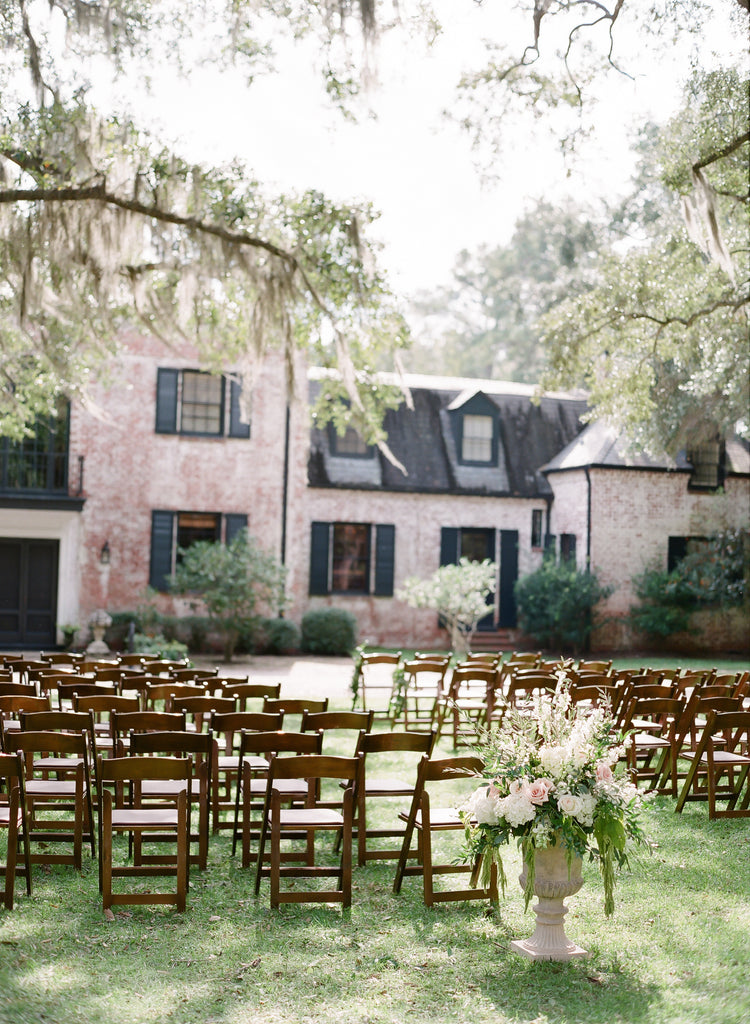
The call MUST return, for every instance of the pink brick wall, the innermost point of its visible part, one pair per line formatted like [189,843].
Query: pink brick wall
[418,519]
[131,470]
[633,513]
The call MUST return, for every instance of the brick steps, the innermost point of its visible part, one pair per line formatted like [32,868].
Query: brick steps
[496,640]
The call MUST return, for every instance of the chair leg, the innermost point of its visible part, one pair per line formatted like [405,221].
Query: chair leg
[345,882]
[10,862]
[105,853]
[275,851]
[183,851]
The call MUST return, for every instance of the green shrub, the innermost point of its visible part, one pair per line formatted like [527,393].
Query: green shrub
[555,605]
[714,575]
[280,635]
[173,650]
[329,631]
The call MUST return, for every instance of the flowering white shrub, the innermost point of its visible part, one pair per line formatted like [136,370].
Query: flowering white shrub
[551,779]
[458,593]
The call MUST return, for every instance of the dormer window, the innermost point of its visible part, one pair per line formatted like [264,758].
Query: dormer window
[349,445]
[476,429]
[707,460]
[476,441]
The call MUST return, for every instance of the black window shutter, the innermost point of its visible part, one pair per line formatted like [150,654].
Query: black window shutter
[236,427]
[449,541]
[166,401]
[319,558]
[235,521]
[162,530]
[385,544]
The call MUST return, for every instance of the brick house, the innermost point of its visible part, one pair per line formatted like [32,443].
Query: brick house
[95,506]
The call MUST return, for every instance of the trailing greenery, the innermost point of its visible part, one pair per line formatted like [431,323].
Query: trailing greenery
[556,604]
[329,631]
[715,575]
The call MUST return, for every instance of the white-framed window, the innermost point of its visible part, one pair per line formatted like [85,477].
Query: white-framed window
[477,437]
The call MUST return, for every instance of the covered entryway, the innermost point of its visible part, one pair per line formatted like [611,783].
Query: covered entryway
[28,592]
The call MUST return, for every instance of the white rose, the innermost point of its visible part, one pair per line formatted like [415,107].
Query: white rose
[568,804]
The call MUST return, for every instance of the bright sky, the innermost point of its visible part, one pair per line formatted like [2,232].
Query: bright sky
[416,167]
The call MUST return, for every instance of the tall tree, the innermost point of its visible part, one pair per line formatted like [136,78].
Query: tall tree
[103,227]
[662,342]
[484,323]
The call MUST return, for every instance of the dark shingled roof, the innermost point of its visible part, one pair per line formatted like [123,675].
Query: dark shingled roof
[530,435]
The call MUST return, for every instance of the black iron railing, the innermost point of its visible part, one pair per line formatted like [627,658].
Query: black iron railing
[37,464]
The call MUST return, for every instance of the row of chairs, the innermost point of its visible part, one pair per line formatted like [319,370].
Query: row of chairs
[426,692]
[39,760]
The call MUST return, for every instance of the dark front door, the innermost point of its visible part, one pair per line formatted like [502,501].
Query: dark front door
[476,544]
[28,592]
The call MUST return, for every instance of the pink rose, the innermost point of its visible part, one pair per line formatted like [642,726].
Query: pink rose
[604,772]
[515,787]
[537,791]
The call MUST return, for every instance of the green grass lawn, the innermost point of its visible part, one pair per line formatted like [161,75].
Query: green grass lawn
[676,951]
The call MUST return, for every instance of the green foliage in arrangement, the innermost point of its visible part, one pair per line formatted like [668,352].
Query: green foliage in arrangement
[556,605]
[714,575]
[329,631]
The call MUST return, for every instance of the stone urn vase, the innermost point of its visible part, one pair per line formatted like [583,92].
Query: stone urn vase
[99,622]
[554,880]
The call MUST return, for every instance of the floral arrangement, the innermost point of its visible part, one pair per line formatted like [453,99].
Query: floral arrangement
[552,780]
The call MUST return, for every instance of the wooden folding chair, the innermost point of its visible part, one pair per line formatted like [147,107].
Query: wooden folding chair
[256,750]
[159,696]
[123,723]
[129,815]
[199,747]
[11,707]
[723,753]
[227,729]
[425,820]
[377,748]
[423,694]
[374,683]
[243,691]
[336,724]
[650,725]
[293,706]
[198,710]
[467,701]
[287,822]
[58,779]
[13,818]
